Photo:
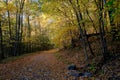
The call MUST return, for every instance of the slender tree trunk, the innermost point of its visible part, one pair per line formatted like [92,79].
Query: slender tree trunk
[9,21]
[78,17]
[85,35]
[84,32]
[100,5]
[1,44]
[102,32]
[19,25]
[82,36]
[21,33]
[28,22]
[16,30]
[21,18]
[10,30]
[17,39]
[18,34]
[102,37]
[29,34]
[89,45]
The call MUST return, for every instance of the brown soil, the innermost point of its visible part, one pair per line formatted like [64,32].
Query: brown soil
[39,66]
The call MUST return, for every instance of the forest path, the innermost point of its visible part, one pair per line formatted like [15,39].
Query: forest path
[39,66]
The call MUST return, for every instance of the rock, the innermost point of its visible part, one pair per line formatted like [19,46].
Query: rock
[114,78]
[87,74]
[72,67]
[45,74]
[66,77]
[24,78]
[29,69]
[74,73]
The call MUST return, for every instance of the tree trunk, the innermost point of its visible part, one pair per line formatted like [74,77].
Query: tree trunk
[21,33]
[15,43]
[102,32]
[89,45]
[84,31]
[10,30]
[78,17]
[85,34]
[9,21]
[29,34]
[19,25]
[100,5]
[1,44]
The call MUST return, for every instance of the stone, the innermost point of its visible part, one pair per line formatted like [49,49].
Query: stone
[29,69]
[74,73]
[72,67]
[24,78]
[87,74]
[114,78]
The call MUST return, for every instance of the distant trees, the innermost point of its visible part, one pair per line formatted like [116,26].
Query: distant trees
[18,33]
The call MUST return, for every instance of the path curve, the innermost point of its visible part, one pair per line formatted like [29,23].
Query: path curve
[39,66]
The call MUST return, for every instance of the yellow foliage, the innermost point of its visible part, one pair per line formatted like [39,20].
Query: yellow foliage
[62,36]
[2,7]
[11,7]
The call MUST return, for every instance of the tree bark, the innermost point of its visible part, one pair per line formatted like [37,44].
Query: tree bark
[29,33]
[10,30]
[19,25]
[9,21]
[102,31]
[1,44]
[78,17]
[100,5]
[84,31]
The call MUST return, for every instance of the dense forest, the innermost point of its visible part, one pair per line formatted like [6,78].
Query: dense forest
[89,26]
[21,29]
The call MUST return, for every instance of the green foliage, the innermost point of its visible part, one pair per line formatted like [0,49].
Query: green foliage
[40,42]
[92,67]
[114,8]
[110,3]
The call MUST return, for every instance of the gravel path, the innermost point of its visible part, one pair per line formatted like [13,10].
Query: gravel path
[39,66]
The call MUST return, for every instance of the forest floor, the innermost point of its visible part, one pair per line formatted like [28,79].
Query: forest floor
[39,66]
[43,65]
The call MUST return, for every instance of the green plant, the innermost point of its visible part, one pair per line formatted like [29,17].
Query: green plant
[92,67]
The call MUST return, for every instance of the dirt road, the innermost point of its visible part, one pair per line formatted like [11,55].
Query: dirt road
[39,66]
